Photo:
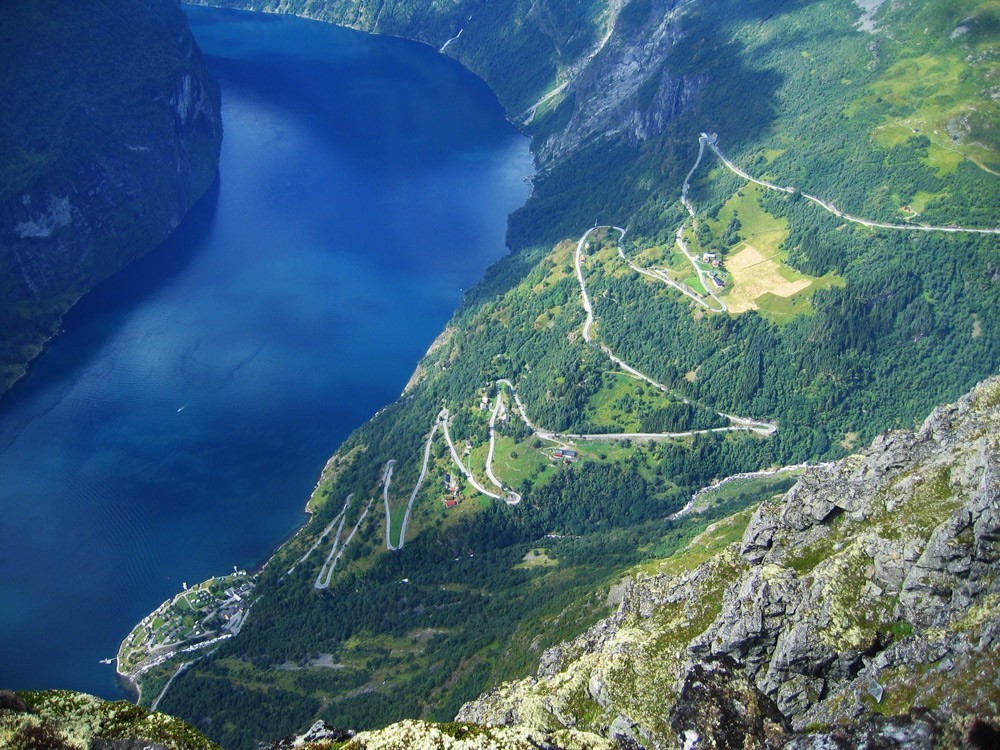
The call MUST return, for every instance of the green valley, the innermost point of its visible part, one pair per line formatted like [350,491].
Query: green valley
[759,236]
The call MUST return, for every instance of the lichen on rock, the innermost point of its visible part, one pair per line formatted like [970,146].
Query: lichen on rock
[65,720]
[870,589]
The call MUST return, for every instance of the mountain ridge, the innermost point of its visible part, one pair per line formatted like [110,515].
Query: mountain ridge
[780,639]
[809,618]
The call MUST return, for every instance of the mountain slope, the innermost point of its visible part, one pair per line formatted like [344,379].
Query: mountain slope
[870,586]
[408,593]
[64,720]
[845,615]
[111,131]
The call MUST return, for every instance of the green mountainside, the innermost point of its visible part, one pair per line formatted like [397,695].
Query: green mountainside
[431,572]
[844,613]
[858,609]
[111,130]
[870,587]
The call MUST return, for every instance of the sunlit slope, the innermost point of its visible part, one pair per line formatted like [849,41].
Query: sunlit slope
[823,325]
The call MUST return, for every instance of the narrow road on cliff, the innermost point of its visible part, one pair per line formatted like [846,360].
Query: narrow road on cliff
[401,541]
[462,467]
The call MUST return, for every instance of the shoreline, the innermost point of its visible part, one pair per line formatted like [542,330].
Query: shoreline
[130,686]
[306,15]
[42,346]
[156,654]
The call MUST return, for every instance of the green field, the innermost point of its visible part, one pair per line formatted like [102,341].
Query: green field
[760,278]
[945,94]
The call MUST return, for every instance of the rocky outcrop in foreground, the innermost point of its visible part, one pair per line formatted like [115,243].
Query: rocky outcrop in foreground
[64,720]
[409,735]
[870,590]
[859,610]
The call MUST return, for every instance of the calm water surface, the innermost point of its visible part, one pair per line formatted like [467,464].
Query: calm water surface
[177,426]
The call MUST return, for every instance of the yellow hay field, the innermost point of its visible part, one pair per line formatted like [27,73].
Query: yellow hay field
[754,276]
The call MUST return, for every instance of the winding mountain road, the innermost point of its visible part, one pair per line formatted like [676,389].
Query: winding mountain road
[719,304]
[350,538]
[738,423]
[386,481]
[319,538]
[705,139]
[506,494]
[413,495]
[461,466]
[326,568]
[510,497]
[578,264]
[489,455]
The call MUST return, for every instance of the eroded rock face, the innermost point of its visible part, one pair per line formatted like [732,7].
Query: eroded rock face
[623,88]
[720,708]
[65,231]
[318,733]
[872,587]
[409,735]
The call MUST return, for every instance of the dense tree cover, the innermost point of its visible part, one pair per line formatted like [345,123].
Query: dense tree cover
[464,580]
[912,324]
[423,647]
[797,95]
[899,334]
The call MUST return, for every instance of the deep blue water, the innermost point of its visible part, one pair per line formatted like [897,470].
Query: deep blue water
[177,426]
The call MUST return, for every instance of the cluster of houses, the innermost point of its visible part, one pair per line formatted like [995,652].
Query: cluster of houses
[451,486]
[215,611]
[567,455]
[714,261]
[234,605]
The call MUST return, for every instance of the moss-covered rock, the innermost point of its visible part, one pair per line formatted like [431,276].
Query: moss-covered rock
[421,735]
[869,589]
[64,720]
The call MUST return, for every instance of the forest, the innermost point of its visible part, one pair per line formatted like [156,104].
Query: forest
[902,320]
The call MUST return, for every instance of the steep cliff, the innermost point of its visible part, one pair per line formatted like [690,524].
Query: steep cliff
[111,131]
[871,587]
[519,48]
[573,73]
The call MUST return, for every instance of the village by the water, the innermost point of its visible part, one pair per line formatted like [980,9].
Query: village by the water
[198,617]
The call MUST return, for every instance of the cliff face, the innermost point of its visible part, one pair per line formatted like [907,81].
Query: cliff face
[871,588]
[615,93]
[114,132]
[571,72]
[622,88]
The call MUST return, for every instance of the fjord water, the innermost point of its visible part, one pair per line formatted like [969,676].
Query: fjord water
[177,426]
